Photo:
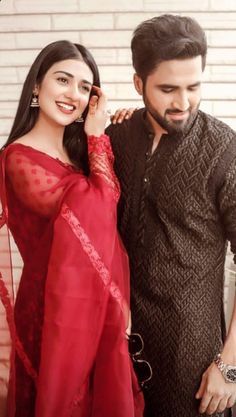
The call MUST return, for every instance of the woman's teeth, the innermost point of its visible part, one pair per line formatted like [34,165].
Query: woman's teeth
[66,106]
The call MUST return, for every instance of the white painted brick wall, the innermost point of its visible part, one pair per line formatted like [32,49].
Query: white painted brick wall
[105,27]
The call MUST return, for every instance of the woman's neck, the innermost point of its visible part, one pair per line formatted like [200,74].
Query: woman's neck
[47,138]
[47,135]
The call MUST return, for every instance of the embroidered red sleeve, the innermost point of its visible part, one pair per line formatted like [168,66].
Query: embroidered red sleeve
[101,161]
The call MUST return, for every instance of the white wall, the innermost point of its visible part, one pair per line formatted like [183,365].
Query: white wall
[105,27]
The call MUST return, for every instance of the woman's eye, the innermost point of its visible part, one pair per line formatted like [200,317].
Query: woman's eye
[85,88]
[62,80]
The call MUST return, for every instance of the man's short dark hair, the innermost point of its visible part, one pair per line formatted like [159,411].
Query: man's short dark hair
[164,38]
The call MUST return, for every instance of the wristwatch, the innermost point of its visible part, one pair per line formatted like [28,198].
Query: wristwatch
[228,371]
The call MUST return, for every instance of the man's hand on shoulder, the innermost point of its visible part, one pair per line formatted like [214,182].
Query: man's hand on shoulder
[122,114]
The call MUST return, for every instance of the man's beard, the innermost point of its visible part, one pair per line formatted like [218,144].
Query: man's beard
[171,126]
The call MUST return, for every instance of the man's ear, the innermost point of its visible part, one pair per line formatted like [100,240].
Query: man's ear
[138,83]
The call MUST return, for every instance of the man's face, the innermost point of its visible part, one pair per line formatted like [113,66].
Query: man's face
[172,93]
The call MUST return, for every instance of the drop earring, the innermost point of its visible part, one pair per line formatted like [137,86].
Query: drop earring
[79,120]
[34,101]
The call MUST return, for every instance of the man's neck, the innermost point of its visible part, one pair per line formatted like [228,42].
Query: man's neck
[157,130]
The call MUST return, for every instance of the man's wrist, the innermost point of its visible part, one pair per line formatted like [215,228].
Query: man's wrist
[228,353]
[228,371]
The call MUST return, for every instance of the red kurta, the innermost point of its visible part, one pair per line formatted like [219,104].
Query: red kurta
[70,354]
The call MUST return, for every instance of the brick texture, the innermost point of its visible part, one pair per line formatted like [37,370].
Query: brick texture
[105,26]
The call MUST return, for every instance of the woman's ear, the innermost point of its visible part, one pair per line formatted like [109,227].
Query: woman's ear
[36,90]
[138,83]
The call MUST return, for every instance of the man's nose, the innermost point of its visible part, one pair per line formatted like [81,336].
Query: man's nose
[181,102]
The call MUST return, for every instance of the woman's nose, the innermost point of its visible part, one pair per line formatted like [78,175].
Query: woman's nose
[74,93]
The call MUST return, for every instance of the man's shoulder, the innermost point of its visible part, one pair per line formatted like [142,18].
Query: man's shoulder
[219,142]
[214,127]
[124,129]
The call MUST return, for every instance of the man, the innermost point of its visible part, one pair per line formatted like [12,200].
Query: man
[177,168]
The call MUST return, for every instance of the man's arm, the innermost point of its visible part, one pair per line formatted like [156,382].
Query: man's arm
[215,393]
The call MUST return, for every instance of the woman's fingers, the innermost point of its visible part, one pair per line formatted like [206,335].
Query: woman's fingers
[102,100]
[98,114]
[93,104]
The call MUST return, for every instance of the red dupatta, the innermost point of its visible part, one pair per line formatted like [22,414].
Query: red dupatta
[7,325]
[84,367]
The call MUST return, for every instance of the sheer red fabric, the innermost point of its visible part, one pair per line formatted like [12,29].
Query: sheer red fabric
[70,355]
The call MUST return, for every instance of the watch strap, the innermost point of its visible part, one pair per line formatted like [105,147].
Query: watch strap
[228,371]
[218,361]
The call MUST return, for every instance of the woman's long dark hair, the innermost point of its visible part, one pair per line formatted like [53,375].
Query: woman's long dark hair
[74,138]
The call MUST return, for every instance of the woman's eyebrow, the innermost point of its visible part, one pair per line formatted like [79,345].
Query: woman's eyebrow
[64,72]
[72,76]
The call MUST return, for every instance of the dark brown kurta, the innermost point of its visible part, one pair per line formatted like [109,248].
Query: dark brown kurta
[177,211]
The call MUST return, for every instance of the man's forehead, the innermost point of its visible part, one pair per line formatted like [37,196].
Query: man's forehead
[175,66]
[178,71]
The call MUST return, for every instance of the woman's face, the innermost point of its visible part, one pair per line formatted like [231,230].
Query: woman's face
[64,92]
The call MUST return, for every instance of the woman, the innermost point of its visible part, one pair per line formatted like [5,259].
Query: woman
[59,194]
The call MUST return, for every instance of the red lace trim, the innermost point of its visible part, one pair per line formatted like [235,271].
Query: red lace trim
[96,261]
[5,298]
[94,257]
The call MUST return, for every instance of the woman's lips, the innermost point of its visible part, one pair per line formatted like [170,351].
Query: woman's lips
[65,107]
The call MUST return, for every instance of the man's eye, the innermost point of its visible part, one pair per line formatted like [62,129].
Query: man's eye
[194,88]
[167,90]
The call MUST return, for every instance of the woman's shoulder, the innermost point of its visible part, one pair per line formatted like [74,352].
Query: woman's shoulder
[24,140]
[20,151]
[15,149]
[26,147]
[24,144]
[19,145]
[31,150]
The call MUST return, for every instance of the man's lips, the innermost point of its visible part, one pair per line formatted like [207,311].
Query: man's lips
[178,115]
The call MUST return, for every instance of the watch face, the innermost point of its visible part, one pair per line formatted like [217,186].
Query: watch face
[230,373]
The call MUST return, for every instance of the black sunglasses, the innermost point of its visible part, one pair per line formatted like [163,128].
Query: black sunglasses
[142,368]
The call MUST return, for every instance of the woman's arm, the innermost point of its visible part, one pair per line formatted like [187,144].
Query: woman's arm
[100,153]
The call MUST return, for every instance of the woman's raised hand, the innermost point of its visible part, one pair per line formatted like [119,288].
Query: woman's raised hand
[97,114]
